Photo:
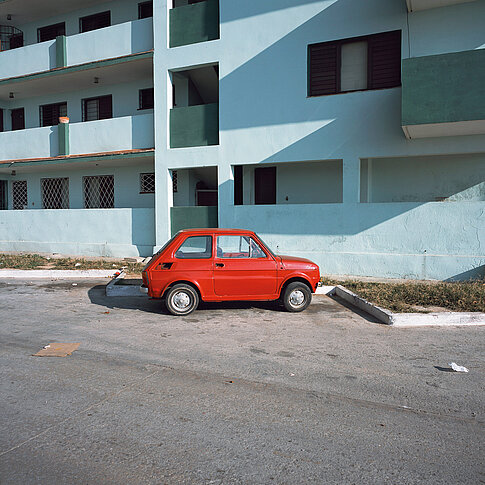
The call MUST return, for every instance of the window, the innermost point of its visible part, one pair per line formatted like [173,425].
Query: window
[19,194]
[145,10]
[50,32]
[96,21]
[238,247]
[265,185]
[16,40]
[1,120]
[99,192]
[195,247]
[97,108]
[55,193]
[49,113]
[146,98]
[147,183]
[18,119]
[238,185]
[361,63]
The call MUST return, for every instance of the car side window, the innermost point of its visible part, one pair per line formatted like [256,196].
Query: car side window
[195,247]
[238,247]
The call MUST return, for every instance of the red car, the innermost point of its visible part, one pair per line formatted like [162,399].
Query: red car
[223,265]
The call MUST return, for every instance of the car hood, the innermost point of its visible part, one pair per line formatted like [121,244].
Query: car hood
[292,262]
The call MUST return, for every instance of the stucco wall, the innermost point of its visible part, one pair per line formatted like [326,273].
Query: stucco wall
[90,232]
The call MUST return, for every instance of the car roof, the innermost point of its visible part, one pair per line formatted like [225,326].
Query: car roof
[215,230]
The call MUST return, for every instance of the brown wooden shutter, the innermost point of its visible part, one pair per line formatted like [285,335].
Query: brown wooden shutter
[265,185]
[105,107]
[385,60]
[323,69]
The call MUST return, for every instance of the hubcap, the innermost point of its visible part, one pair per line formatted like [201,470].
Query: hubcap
[297,297]
[181,300]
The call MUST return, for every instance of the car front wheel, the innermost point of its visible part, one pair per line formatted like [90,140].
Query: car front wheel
[182,299]
[297,297]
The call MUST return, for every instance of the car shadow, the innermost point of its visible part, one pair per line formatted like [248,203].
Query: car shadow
[97,296]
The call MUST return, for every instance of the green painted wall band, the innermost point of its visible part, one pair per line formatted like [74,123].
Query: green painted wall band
[63,135]
[61,51]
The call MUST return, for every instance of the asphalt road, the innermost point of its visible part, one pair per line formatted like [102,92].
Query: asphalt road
[234,393]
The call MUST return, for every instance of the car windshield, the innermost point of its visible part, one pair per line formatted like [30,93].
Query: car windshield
[159,252]
[267,247]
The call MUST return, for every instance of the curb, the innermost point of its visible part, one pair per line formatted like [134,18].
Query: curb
[57,274]
[404,319]
[115,289]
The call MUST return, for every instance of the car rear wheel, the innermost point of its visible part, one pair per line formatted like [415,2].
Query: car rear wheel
[182,299]
[297,297]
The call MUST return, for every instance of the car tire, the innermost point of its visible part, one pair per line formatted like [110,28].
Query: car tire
[181,299]
[297,297]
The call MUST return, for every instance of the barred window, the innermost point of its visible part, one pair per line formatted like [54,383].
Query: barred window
[99,192]
[147,183]
[174,181]
[49,113]
[55,193]
[19,194]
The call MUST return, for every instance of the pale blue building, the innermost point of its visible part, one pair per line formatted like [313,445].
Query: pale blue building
[351,132]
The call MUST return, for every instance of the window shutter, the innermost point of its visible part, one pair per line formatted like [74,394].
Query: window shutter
[385,60]
[324,69]
[105,107]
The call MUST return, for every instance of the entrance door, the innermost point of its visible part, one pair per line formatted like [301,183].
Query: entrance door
[3,195]
[18,121]
[242,269]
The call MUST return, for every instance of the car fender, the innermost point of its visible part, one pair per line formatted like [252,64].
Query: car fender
[295,276]
[183,280]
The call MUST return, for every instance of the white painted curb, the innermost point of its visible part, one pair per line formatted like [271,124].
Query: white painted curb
[57,274]
[404,319]
[113,289]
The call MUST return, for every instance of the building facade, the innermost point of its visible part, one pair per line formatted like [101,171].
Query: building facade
[348,132]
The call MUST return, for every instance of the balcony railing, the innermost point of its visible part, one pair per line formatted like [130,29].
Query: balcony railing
[107,43]
[194,23]
[194,126]
[115,134]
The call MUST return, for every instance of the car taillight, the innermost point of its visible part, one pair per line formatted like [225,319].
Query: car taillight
[144,275]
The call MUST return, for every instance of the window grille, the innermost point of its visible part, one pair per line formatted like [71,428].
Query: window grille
[19,194]
[55,193]
[49,113]
[174,181]
[147,183]
[99,192]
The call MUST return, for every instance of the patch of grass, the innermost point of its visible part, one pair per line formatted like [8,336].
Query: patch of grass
[22,261]
[404,297]
[35,261]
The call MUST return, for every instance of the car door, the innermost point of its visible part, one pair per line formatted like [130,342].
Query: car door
[243,269]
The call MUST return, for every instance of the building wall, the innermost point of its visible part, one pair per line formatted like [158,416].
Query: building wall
[266,117]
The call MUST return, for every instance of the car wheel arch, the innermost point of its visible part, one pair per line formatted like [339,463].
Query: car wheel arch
[184,282]
[293,279]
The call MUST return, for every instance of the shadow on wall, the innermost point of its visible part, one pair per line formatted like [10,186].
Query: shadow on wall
[143,230]
[54,141]
[477,273]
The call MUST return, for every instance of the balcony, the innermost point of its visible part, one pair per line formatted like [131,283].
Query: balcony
[415,5]
[444,95]
[115,134]
[194,126]
[107,43]
[198,22]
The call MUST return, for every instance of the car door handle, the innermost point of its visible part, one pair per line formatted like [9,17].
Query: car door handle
[219,265]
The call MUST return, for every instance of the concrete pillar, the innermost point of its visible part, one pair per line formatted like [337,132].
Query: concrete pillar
[351,181]
[225,195]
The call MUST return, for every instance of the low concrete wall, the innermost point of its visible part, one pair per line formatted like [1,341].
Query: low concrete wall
[27,60]
[89,232]
[436,240]
[115,41]
[31,143]
[124,133]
